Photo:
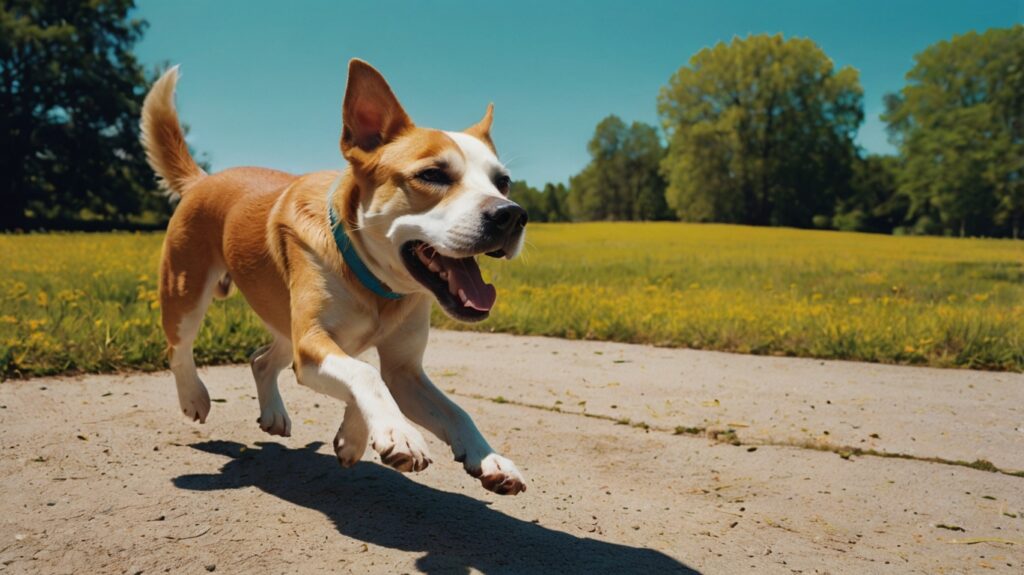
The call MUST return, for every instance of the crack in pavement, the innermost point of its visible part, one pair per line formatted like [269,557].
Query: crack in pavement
[729,436]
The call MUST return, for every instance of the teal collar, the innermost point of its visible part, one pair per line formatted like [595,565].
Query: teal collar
[348,251]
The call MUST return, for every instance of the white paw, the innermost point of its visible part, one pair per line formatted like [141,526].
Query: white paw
[275,421]
[401,446]
[498,474]
[195,402]
[351,440]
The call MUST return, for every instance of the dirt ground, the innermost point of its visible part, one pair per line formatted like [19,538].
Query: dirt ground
[638,459]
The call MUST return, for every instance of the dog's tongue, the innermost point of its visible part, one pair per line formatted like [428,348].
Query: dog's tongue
[465,281]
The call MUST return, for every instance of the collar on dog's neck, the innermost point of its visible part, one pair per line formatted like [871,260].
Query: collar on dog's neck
[348,251]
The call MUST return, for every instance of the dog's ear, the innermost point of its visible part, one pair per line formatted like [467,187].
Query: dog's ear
[482,129]
[371,115]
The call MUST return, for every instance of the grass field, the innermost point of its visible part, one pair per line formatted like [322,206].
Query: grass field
[87,302]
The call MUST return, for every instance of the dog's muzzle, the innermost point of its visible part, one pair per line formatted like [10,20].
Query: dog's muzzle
[503,225]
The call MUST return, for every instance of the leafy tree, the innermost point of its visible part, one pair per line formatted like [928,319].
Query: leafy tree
[959,125]
[874,205]
[528,197]
[71,92]
[622,181]
[556,202]
[760,132]
[542,206]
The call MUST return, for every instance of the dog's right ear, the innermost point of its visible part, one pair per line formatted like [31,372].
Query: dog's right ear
[371,114]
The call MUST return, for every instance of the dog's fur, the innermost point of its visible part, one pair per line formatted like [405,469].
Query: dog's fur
[267,232]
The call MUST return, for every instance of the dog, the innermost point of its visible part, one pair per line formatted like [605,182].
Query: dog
[335,263]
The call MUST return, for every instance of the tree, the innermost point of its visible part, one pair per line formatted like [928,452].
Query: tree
[71,92]
[760,131]
[542,206]
[622,181]
[959,125]
[874,204]
[556,202]
[529,198]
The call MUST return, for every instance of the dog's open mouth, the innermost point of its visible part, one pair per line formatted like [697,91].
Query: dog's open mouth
[455,282]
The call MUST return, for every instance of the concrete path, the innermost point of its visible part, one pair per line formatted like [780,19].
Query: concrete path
[770,471]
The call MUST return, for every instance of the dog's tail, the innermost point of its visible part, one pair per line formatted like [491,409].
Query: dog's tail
[164,140]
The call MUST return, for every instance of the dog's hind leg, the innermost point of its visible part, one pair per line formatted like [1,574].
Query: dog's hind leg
[267,363]
[187,284]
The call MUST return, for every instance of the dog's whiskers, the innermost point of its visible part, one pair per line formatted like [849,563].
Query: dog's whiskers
[511,160]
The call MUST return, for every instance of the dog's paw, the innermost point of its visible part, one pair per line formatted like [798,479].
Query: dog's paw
[350,442]
[401,446]
[195,402]
[275,421]
[498,474]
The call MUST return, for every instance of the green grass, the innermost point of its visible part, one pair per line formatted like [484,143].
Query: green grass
[86,302]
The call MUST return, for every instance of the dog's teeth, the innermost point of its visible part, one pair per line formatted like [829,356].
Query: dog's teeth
[434,266]
[462,296]
[444,276]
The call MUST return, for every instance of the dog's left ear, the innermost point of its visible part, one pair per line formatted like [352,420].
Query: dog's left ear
[371,114]
[482,129]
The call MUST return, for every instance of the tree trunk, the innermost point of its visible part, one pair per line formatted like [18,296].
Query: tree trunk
[12,214]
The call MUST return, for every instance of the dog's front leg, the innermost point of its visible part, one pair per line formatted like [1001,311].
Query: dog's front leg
[352,438]
[327,369]
[422,402]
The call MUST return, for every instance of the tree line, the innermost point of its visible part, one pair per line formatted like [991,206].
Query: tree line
[757,131]
[761,131]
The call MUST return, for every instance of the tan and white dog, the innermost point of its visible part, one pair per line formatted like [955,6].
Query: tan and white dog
[413,210]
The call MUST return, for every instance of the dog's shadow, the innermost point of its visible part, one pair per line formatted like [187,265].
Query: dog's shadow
[377,505]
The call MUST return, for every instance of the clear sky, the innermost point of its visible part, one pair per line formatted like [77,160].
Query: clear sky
[263,81]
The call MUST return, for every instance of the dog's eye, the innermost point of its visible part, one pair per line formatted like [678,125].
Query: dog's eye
[434,176]
[502,182]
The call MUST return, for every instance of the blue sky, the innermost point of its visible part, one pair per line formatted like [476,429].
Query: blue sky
[263,81]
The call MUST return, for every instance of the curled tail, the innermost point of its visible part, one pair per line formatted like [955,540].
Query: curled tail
[164,140]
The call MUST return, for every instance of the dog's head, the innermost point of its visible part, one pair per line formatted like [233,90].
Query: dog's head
[430,201]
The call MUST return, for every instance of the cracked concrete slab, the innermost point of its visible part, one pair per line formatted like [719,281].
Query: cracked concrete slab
[102,474]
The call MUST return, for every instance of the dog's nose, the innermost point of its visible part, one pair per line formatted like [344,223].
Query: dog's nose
[507,217]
